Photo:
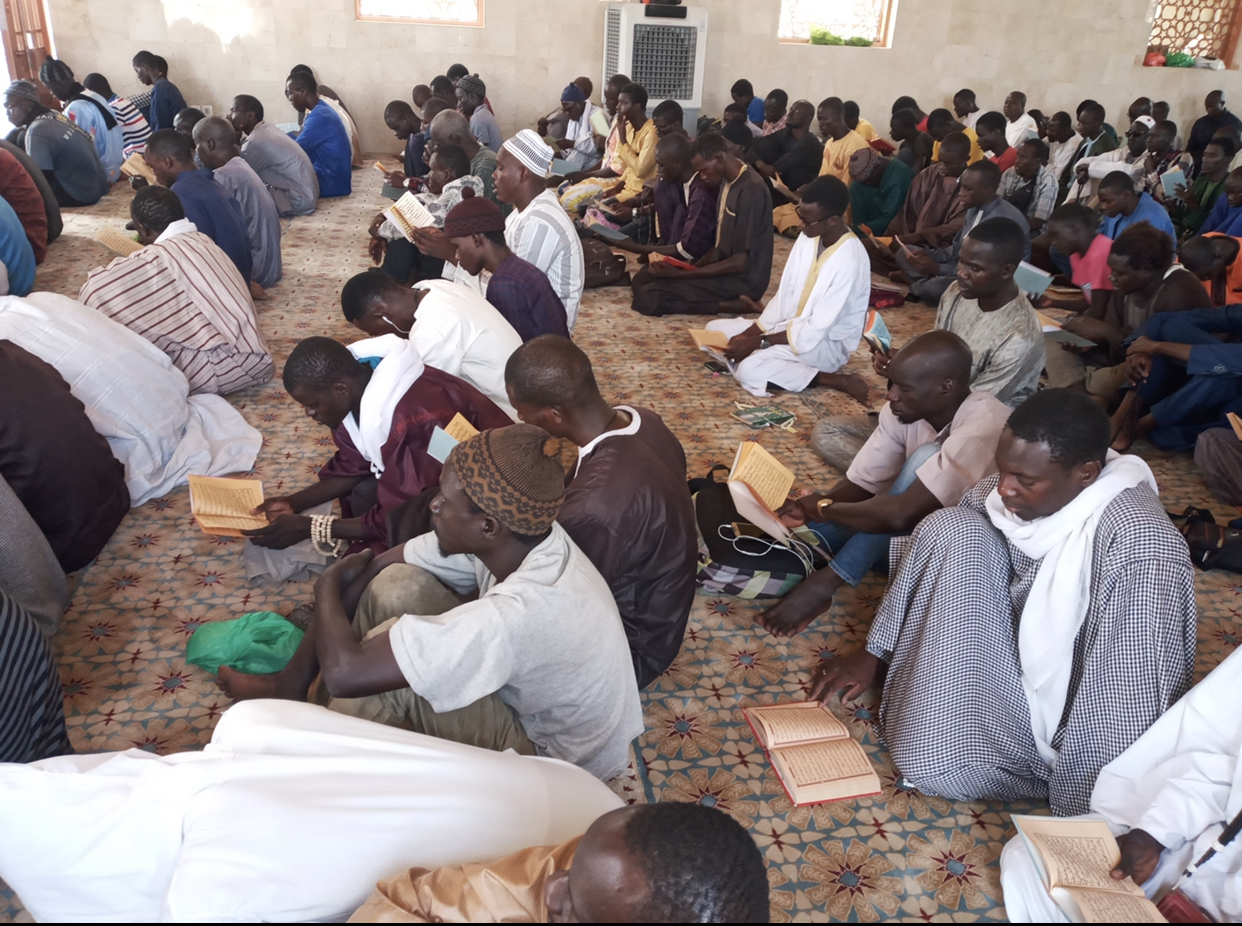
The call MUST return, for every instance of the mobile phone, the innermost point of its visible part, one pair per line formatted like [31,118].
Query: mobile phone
[746,529]
[716,367]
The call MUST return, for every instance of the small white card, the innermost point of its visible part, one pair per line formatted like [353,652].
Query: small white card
[441,444]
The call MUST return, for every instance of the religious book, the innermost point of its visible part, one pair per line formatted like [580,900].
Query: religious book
[561,167]
[599,123]
[222,506]
[443,440]
[1075,858]
[136,166]
[812,753]
[118,242]
[605,232]
[757,417]
[876,333]
[1053,329]
[1171,180]
[1031,279]
[379,165]
[713,343]
[657,258]
[407,214]
[759,484]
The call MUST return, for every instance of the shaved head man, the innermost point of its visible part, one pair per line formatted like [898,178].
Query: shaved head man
[1218,115]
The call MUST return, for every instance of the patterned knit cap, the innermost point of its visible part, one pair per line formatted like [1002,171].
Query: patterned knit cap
[862,162]
[513,474]
[23,89]
[474,215]
[471,84]
[531,151]
[54,71]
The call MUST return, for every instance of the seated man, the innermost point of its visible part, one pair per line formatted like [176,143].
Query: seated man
[183,294]
[935,439]
[1017,621]
[519,290]
[1186,374]
[207,204]
[585,184]
[1173,792]
[1146,284]
[741,262]
[983,307]
[933,213]
[17,260]
[1161,158]
[450,127]
[1124,205]
[941,123]
[65,153]
[216,142]
[791,157]
[454,328]
[381,403]
[1019,125]
[743,94]
[627,506]
[59,467]
[279,161]
[775,109]
[406,125]
[635,151]
[185,121]
[1213,258]
[51,208]
[89,112]
[1226,215]
[965,108]
[930,271]
[1029,186]
[134,126]
[483,126]
[651,863]
[537,662]
[1072,230]
[878,187]
[323,136]
[19,191]
[854,119]
[840,141]
[1063,143]
[134,396]
[1193,204]
[991,131]
[578,147]
[1084,179]
[683,206]
[807,333]
[914,147]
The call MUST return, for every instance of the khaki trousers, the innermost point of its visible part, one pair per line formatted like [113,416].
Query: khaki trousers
[1068,367]
[489,723]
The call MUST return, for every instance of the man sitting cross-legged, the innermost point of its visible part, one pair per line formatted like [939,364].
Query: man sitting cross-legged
[381,403]
[454,328]
[652,863]
[741,262]
[806,334]
[934,441]
[537,662]
[627,506]
[519,290]
[323,136]
[279,161]
[1032,632]
[185,296]
[878,188]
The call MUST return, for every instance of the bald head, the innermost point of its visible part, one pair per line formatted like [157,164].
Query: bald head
[939,354]
[215,141]
[452,128]
[929,379]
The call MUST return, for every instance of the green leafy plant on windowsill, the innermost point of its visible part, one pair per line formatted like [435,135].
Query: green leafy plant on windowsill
[821,36]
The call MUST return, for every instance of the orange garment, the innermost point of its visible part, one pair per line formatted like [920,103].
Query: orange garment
[1229,292]
[507,890]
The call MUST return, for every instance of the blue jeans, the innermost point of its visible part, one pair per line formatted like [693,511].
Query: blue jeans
[853,554]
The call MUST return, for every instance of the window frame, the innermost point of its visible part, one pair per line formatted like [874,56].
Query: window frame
[359,16]
[1229,50]
[888,25]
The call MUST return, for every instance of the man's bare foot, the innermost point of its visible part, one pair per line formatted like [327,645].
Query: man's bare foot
[257,292]
[242,687]
[858,389]
[900,276]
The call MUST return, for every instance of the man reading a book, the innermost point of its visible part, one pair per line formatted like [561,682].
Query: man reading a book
[279,161]
[493,629]
[807,333]
[184,295]
[381,403]
[1032,632]
[626,506]
[936,438]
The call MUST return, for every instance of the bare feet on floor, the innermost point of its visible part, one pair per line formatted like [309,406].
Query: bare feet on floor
[858,389]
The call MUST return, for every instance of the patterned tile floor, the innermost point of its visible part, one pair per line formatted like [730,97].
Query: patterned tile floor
[900,856]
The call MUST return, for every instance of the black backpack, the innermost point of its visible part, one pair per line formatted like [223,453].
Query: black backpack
[1212,545]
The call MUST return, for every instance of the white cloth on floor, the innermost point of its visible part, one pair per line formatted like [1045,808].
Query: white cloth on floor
[821,305]
[1180,781]
[399,367]
[291,814]
[134,395]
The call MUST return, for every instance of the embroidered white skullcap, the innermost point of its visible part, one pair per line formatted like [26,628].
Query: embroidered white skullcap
[1147,121]
[532,151]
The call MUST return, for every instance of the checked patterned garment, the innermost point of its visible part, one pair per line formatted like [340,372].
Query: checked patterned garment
[954,713]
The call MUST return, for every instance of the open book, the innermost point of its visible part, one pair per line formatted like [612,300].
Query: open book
[1170,180]
[1074,857]
[713,343]
[1053,329]
[136,166]
[1031,279]
[222,506]
[759,484]
[812,752]
[118,242]
[407,214]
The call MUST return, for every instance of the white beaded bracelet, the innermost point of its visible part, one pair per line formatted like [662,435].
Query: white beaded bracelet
[321,536]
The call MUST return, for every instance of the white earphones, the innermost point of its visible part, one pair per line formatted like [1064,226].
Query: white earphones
[394,324]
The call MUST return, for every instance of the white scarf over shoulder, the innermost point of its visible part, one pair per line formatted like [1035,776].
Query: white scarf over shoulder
[399,367]
[1061,594]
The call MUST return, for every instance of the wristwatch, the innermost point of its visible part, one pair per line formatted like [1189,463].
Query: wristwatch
[764,343]
[821,505]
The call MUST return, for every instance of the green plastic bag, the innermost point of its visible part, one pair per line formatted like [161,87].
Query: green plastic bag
[1179,59]
[255,643]
[822,36]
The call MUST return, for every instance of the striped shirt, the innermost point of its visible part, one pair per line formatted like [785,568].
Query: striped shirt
[185,296]
[134,126]
[543,235]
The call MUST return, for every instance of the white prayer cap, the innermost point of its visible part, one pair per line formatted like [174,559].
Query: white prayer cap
[1147,121]
[532,151]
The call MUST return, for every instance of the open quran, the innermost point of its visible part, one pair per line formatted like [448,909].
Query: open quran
[119,242]
[222,506]
[407,214]
[759,485]
[135,166]
[813,754]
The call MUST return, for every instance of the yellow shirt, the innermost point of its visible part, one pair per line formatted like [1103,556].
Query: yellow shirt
[638,158]
[837,153]
[976,153]
[866,130]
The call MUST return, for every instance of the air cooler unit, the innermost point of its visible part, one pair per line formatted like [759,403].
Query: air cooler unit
[661,47]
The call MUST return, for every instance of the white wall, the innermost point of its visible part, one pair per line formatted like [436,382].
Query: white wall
[1058,51]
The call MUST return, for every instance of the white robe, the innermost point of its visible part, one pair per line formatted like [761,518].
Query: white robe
[291,814]
[1180,781]
[133,394]
[823,329]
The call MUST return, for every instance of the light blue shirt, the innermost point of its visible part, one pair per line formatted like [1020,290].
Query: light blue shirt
[110,143]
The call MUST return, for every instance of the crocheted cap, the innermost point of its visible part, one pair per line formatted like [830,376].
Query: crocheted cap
[472,84]
[23,89]
[531,151]
[861,163]
[474,215]
[53,71]
[513,474]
